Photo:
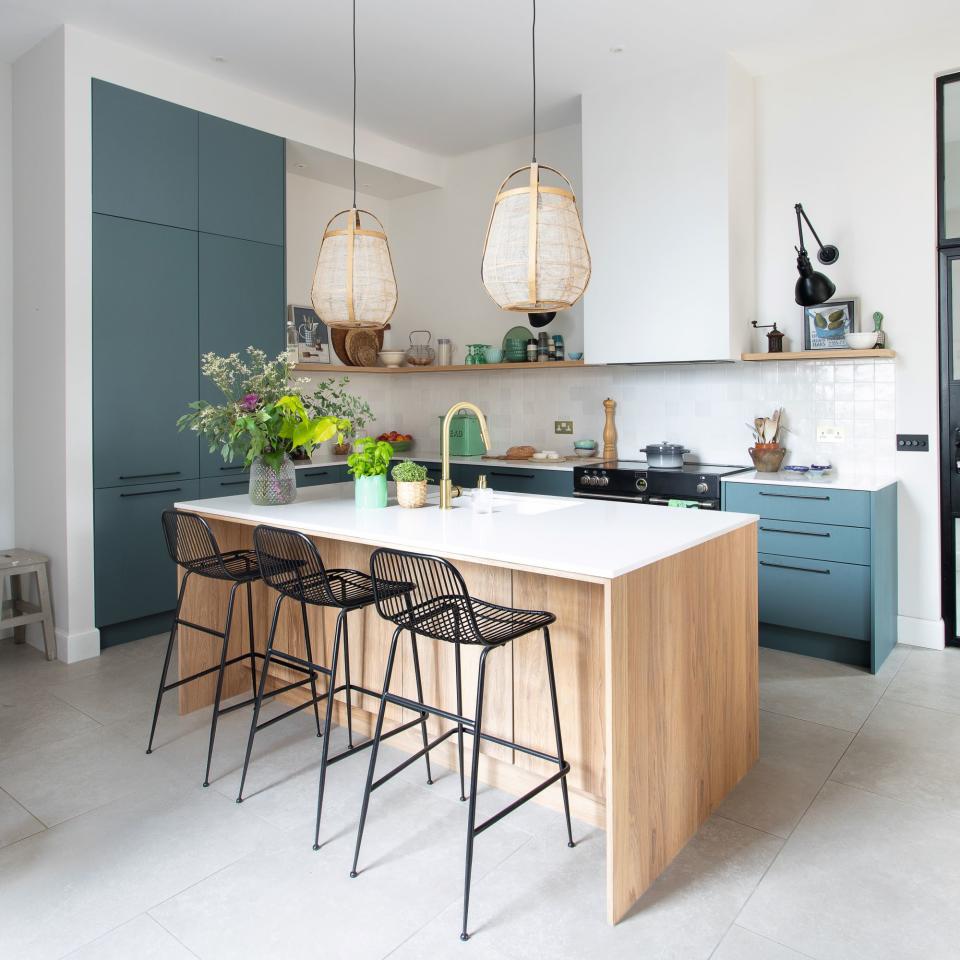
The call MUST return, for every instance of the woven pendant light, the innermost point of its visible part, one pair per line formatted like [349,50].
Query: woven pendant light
[535,256]
[354,284]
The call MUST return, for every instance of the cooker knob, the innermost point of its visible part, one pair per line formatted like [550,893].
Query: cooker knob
[584,480]
[702,487]
[641,483]
[603,481]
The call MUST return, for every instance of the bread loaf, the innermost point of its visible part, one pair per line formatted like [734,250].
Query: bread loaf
[522,452]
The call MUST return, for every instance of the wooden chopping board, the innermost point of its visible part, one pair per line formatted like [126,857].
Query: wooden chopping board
[338,340]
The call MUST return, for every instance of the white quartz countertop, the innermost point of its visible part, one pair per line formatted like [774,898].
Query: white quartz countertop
[599,539]
[846,480]
[432,457]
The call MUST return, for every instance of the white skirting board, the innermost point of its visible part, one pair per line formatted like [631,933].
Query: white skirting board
[915,632]
[72,647]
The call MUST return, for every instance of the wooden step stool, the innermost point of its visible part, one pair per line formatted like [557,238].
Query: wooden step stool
[14,565]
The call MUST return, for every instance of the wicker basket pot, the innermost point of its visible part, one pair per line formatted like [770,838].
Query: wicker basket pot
[535,256]
[411,493]
[354,284]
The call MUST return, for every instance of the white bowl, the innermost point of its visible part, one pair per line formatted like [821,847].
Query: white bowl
[865,340]
[391,358]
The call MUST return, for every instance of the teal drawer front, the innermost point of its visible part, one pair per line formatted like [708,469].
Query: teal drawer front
[816,595]
[328,473]
[849,508]
[229,485]
[817,541]
[551,483]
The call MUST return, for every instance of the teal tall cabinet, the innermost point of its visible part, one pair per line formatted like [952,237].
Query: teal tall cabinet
[188,257]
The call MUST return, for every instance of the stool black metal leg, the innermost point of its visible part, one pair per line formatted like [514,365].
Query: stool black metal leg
[268,653]
[556,726]
[325,750]
[376,746]
[474,776]
[166,660]
[253,647]
[313,676]
[346,677]
[459,712]
[423,716]
[220,672]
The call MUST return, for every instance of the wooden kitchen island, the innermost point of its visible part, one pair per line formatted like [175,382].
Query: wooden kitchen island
[655,649]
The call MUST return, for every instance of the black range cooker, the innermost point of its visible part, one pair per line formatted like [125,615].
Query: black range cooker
[636,482]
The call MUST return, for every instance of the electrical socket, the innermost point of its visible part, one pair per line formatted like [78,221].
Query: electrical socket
[829,433]
[563,426]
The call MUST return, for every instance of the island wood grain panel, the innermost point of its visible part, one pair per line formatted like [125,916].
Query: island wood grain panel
[577,642]
[682,719]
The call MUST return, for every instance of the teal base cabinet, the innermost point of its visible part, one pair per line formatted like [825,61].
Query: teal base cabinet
[544,483]
[134,575]
[317,474]
[827,568]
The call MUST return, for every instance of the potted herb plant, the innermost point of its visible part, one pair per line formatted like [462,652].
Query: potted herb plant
[261,422]
[369,463]
[411,480]
[332,399]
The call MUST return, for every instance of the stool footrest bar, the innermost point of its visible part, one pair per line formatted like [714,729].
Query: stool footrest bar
[529,795]
[413,758]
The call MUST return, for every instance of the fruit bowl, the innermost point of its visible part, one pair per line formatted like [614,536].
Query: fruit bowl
[399,441]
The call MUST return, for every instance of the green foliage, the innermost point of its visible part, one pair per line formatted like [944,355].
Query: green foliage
[263,414]
[370,458]
[331,399]
[408,472]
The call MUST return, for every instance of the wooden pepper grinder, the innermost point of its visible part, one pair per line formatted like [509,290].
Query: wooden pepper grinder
[610,430]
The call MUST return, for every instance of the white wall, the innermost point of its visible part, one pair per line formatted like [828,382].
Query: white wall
[7,537]
[39,339]
[868,182]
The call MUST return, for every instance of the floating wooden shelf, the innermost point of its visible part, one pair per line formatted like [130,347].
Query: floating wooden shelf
[872,354]
[322,368]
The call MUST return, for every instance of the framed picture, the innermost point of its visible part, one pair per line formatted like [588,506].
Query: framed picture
[313,337]
[825,326]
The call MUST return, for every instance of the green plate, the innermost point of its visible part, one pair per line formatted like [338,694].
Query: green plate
[517,333]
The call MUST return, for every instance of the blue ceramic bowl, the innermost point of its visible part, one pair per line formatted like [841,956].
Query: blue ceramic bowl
[575,355]
[795,468]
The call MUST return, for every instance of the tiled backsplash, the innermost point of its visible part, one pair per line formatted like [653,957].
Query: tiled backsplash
[705,406]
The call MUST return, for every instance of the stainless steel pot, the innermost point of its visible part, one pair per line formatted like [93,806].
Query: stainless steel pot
[665,454]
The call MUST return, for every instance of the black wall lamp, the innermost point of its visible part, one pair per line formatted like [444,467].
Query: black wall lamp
[813,287]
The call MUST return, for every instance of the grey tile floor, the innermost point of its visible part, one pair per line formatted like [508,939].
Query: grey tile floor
[843,841]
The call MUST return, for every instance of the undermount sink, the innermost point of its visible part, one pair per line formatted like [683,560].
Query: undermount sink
[530,506]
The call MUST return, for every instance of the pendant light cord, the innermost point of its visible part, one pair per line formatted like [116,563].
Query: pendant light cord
[533,59]
[354,104]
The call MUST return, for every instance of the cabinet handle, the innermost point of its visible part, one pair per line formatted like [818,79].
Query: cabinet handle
[796,533]
[517,476]
[151,493]
[316,473]
[145,476]
[234,467]
[786,566]
[790,496]
[234,483]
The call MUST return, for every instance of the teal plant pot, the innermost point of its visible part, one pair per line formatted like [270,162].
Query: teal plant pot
[370,492]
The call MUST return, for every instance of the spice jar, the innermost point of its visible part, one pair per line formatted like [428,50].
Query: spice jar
[532,350]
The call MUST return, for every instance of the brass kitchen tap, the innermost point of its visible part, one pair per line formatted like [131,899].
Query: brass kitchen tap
[447,490]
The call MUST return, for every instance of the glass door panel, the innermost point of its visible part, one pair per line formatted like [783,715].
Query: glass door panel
[950,160]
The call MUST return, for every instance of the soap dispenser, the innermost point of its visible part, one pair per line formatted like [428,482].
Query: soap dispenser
[482,497]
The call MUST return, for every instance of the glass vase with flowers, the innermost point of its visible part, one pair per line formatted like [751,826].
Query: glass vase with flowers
[261,421]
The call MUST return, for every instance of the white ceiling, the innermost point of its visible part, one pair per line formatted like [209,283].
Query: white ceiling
[449,75]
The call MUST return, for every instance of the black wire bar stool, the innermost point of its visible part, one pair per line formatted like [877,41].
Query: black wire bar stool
[192,545]
[437,604]
[291,564]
